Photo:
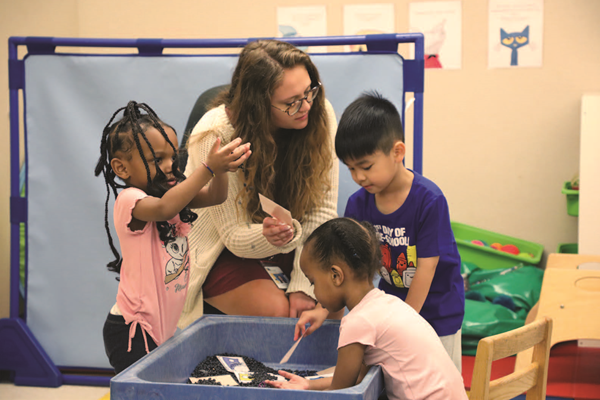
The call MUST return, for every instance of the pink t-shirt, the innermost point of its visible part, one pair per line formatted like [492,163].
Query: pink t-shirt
[414,362]
[154,277]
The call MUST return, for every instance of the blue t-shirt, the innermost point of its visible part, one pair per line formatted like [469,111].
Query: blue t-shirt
[419,228]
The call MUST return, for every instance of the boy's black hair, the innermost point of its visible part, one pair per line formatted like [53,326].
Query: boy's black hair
[122,136]
[368,124]
[354,243]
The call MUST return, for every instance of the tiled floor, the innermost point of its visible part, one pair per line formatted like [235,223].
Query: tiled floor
[64,392]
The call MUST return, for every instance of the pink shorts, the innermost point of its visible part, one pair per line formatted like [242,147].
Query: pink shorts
[230,271]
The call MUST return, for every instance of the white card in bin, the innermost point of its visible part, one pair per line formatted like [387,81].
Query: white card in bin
[233,364]
[275,210]
[224,380]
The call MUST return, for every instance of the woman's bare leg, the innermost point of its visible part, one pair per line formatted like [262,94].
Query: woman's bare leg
[259,297]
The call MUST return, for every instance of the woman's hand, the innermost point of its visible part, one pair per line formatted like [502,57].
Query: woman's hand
[300,302]
[314,317]
[294,382]
[276,232]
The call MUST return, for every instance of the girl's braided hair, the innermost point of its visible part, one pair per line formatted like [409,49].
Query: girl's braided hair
[354,243]
[121,136]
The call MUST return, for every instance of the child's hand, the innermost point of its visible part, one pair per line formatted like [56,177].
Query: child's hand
[294,382]
[313,317]
[229,157]
[276,232]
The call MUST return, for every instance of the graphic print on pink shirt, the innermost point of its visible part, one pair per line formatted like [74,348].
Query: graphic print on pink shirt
[179,262]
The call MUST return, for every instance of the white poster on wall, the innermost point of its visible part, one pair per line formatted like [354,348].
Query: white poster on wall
[516,30]
[441,23]
[368,19]
[303,21]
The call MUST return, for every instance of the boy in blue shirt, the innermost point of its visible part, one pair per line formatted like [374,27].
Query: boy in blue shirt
[421,264]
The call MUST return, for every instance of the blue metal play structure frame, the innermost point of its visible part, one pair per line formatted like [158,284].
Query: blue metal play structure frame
[20,352]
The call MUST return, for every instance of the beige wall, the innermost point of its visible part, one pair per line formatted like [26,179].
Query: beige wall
[499,143]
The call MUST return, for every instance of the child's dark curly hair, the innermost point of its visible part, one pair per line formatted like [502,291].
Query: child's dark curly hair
[122,136]
[354,243]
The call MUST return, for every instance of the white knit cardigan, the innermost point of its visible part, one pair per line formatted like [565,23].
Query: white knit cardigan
[228,225]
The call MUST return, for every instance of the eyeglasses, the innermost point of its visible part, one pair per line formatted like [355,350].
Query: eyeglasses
[294,107]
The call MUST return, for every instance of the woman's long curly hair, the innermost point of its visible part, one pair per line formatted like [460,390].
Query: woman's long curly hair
[291,167]
[124,136]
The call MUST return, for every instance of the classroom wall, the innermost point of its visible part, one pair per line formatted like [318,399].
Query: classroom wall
[499,143]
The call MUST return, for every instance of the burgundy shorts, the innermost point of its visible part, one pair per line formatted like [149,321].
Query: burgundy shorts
[230,271]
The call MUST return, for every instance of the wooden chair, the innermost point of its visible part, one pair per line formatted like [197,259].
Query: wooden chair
[531,378]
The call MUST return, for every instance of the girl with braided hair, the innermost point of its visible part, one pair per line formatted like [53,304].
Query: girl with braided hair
[152,218]
[340,259]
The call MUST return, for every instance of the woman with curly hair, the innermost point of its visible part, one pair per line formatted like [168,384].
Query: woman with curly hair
[277,103]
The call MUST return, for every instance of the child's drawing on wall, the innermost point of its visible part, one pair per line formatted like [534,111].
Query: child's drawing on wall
[440,23]
[303,21]
[434,40]
[515,33]
[367,19]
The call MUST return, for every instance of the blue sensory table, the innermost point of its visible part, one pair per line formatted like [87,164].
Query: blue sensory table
[164,372]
